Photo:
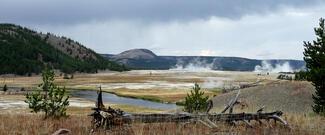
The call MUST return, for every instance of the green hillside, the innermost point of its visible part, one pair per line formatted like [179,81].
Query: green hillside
[24,51]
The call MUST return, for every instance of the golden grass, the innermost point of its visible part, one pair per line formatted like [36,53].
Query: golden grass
[35,125]
[20,81]
[164,95]
[286,96]
[91,81]
[126,108]
[27,124]
[127,77]
[19,121]
[12,97]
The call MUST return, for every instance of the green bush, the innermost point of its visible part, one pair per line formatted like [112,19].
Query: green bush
[301,76]
[284,77]
[196,101]
[49,98]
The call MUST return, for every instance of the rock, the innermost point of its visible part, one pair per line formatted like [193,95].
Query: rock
[62,131]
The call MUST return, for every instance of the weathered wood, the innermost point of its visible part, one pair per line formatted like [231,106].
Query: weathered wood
[99,103]
[261,109]
[62,131]
[108,117]
[204,123]
[152,118]
[209,106]
[210,122]
[231,104]
[276,117]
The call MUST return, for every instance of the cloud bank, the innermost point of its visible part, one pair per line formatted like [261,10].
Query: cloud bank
[256,29]
[76,11]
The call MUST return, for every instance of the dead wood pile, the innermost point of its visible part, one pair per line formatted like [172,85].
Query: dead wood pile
[109,117]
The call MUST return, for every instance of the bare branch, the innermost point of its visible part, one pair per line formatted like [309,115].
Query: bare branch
[231,104]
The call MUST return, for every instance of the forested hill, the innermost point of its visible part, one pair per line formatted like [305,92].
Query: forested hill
[24,51]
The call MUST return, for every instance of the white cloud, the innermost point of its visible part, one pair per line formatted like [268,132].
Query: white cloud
[275,35]
[207,53]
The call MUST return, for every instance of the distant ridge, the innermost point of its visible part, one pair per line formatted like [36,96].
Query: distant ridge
[140,54]
[146,59]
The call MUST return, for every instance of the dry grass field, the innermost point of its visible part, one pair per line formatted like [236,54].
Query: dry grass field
[291,97]
[161,95]
[163,86]
[22,124]
[286,96]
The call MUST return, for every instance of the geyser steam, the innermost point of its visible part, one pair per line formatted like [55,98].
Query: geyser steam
[267,67]
[195,65]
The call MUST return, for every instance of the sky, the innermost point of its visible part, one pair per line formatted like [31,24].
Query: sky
[259,29]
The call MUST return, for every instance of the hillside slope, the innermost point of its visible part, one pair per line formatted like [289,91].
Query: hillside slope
[146,59]
[286,96]
[24,51]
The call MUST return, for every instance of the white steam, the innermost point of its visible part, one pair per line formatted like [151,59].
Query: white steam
[192,67]
[210,83]
[267,67]
[195,65]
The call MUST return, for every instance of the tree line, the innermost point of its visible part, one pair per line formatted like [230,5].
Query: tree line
[24,52]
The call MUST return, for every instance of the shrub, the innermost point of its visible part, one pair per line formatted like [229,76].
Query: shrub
[52,100]
[284,77]
[5,88]
[196,101]
[301,76]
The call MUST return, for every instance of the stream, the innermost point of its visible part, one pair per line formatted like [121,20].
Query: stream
[114,99]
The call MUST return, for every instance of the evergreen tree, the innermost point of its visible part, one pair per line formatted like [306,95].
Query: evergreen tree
[49,98]
[315,62]
[5,88]
[196,101]
[301,76]
[48,79]
[26,52]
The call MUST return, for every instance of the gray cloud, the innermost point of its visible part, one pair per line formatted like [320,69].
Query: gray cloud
[275,35]
[77,11]
[261,29]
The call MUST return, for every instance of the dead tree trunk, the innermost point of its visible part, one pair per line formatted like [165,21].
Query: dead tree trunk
[108,117]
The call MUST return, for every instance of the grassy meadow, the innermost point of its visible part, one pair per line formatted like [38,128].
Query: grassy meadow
[26,124]
[291,97]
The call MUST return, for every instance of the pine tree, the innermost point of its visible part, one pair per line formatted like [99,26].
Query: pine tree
[49,98]
[196,101]
[315,62]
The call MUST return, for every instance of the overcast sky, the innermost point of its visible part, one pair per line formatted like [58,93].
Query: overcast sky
[261,29]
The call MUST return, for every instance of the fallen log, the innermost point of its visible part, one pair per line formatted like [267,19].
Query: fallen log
[185,117]
[231,104]
[108,117]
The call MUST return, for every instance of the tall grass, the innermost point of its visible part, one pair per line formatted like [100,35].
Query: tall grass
[30,124]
